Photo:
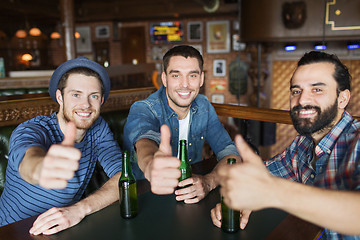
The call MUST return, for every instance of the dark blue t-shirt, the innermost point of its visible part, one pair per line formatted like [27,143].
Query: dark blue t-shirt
[20,199]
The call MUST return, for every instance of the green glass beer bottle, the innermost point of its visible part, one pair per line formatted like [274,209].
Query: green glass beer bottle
[185,167]
[127,189]
[230,218]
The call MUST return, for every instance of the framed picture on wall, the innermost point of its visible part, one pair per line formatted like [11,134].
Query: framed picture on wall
[83,43]
[102,31]
[198,47]
[218,37]
[219,67]
[194,31]
[217,98]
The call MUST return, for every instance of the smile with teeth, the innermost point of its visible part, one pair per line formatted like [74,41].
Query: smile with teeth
[184,94]
[307,113]
[83,114]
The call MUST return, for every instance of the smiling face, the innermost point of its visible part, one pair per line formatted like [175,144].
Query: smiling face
[81,101]
[183,79]
[315,102]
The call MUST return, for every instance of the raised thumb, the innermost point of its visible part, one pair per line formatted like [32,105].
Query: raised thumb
[70,134]
[246,152]
[165,146]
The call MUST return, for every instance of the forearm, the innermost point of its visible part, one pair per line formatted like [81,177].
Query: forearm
[29,168]
[145,150]
[103,197]
[336,210]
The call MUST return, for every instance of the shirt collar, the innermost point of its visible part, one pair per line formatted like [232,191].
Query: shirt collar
[327,143]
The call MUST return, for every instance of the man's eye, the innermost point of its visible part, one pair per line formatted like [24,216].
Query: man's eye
[175,75]
[295,92]
[95,96]
[318,90]
[76,95]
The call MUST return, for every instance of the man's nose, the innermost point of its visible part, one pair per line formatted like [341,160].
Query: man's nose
[184,82]
[305,98]
[85,103]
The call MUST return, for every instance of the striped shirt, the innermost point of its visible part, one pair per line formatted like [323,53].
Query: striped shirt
[20,199]
[337,167]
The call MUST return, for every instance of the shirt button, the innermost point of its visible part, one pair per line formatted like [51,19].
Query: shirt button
[202,137]
[312,175]
[190,160]
[189,144]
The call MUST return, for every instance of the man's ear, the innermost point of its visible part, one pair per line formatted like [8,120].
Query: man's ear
[163,78]
[344,98]
[202,79]
[59,97]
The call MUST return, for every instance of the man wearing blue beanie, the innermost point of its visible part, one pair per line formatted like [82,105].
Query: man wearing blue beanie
[52,158]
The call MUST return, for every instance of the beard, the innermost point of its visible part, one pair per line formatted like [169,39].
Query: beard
[83,124]
[323,120]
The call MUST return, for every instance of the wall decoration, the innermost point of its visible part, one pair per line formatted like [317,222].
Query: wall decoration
[102,31]
[157,52]
[217,98]
[83,43]
[218,37]
[294,14]
[194,31]
[219,67]
[198,47]
[217,85]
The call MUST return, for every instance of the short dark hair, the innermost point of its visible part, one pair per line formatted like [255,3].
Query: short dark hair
[341,74]
[185,51]
[81,70]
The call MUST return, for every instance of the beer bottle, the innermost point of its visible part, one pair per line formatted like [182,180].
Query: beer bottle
[127,189]
[230,218]
[185,167]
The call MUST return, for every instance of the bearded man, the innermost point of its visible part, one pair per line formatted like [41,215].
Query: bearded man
[322,163]
[52,158]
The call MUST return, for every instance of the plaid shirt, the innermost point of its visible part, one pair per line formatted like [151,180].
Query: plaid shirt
[337,167]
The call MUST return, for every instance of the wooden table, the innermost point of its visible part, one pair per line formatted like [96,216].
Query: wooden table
[162,217]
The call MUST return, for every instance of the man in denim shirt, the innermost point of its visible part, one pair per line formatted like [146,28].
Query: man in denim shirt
[317,177]
[181,113]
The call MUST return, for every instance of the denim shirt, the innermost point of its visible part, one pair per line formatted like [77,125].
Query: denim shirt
[147,116]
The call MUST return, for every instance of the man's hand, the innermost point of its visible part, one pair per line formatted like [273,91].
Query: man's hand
[56,219]
[60,162]
[247,185]
[197,188]
[164,168]
[216,216]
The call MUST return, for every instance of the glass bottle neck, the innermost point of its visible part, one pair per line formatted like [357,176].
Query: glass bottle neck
[126,166]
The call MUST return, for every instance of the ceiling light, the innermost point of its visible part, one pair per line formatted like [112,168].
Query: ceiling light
[353,45]
[55,35]
[20,33]
[35,32]
[320,47]
[26,57]
[290,47]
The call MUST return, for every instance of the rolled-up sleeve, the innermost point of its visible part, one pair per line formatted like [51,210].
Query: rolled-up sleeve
[141,123]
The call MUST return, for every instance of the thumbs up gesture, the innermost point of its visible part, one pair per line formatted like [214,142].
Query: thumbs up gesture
[164,169]
[60,162]
[246,185]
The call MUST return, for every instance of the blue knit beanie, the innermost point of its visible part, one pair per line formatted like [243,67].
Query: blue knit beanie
[78,63]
